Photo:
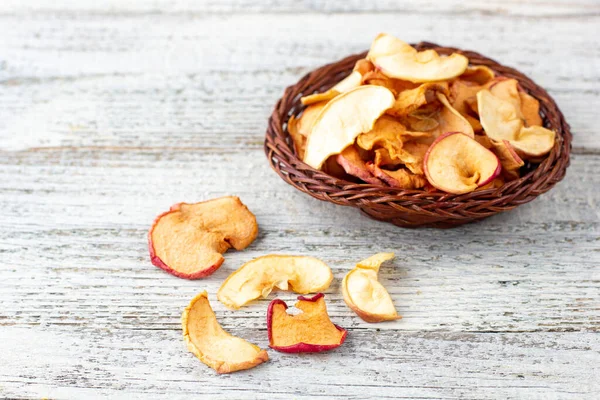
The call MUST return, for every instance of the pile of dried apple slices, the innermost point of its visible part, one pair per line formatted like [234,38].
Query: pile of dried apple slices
[189,240]
[414,119]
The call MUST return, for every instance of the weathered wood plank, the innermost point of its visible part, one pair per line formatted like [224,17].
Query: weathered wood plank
[129,363]
[182,85]
[77,220]
[537,9]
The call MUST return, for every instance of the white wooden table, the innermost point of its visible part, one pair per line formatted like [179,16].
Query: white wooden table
[111,111]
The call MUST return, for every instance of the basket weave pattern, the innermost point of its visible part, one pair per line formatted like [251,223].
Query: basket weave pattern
[413,208]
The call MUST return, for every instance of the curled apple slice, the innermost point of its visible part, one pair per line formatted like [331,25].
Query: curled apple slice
[188,240]
[351,162]
[299,128]
[530,108]
[398,59]
[409,100]
[365,295]
[457,164]
[350,82]
[400,178]
[502,121]
[479,74]
[510,160]
[343,119]
[257,278]
[215,347]
[308,332]
[450,120]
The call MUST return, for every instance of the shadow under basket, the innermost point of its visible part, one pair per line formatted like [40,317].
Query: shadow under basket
[414,208]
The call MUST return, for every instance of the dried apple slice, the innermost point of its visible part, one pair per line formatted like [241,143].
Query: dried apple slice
[449,120]
[400,60]
[510,160]
[350,82]
[400,178]
[343,119]
[299,128]
[215,347]
[309,332]
[502,121]
[460,93]
[530,108]
[508,90]
[409,100]
[479,74]
[365,295]
[257,278]
[456,163]
[188,240]
[350,160]
[376,77]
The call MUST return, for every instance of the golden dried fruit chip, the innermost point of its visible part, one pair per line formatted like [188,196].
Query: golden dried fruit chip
[215,347]
[188,240]
[348,83]
[400,178]
[530,108]
[456,163]
[400,60]
[257,278]
[510,160]
[502,121]
[308,332]
[343,119]
[410,100]
[479,74]
[353,164]
[365,295]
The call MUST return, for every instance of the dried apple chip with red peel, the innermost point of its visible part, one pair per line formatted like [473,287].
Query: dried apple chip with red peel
[365,295]
[308,332]
[257,278]
[510,160]
[343,119]
[215,347]
[400,178]
[350,160]
[188,240]
[400,60]
[456,163]
[502,121]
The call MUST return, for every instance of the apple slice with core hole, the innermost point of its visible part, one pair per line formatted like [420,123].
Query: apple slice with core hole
[457,164]
[343,119]
[502,121]
[257,278]
[365,295]
[400,60]
[188,240]
[308,332]
[214,346]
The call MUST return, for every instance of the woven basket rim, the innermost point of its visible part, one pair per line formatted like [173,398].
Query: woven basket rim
[393,202]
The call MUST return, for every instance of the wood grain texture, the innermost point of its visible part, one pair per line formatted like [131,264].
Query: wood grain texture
[112,111]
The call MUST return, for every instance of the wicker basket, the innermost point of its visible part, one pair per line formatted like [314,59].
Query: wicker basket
[413,208]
